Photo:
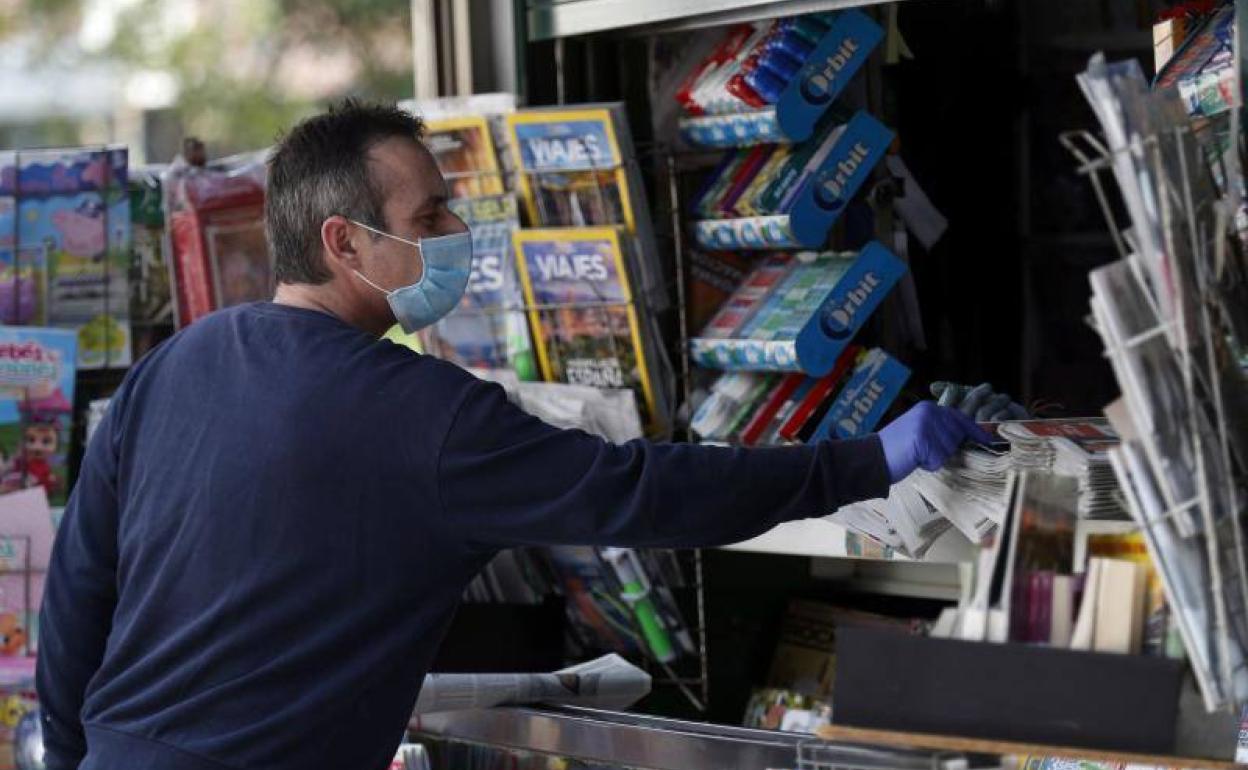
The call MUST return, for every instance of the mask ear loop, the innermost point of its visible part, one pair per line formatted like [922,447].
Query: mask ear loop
[364,278]
[384,234]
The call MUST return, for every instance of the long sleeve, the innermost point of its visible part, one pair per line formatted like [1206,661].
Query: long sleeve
[506,478]
[79,597]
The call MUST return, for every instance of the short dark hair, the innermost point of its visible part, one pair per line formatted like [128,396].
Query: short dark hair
[319,169]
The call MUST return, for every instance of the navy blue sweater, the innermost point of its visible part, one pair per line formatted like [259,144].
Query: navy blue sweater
[278,515]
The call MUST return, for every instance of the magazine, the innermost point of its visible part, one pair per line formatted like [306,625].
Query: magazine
[65,253]
[26,536]
[572,173]
[598,618]
[1204,71]
[149,273]
[463,148]
[585,323]
[37,368]
[577,167]
[1151,381]
[23,283]
[21,587]
[488,330]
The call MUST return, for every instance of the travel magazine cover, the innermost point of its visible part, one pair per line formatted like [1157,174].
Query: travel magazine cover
[585,324]
[489,329]
[577,167]
[464,151]
[571,170]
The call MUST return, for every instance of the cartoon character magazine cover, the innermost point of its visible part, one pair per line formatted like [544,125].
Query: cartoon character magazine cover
[65,239]
[37,367]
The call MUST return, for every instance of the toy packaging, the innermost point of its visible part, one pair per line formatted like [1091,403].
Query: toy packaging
[215,217]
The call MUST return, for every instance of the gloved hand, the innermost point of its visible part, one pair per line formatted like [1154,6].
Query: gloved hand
[925,437]
[979,402]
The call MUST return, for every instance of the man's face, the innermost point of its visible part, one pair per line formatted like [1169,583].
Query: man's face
[415,207]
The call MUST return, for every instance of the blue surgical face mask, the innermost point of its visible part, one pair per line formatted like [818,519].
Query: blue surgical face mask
[447,266]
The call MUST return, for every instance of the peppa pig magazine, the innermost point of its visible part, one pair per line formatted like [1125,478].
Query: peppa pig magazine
[65,236]
[23,272]
[37,367]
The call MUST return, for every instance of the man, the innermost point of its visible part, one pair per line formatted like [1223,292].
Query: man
[278,515]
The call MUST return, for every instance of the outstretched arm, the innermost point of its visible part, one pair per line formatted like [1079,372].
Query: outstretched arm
[509,479]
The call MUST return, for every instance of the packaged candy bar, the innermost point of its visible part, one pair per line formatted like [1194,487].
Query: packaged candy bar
[713,94]
[706,204]
[755,159]
[725,52]
[746,205]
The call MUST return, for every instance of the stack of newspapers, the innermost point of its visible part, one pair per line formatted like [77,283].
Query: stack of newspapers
[1173,316]
[1078,448]
[971,493]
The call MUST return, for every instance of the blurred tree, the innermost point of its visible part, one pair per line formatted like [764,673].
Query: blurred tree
[52,18]
[245,69]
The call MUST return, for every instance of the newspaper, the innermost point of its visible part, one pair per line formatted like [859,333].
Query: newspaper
[1152,384]
[971,492]
[410,756]
[1078,448]
[608,682]
[905,521]
[607,412]
[1173,314]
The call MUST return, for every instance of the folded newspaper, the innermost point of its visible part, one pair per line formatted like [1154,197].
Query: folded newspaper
[609,682]
[607,412]
[971,491]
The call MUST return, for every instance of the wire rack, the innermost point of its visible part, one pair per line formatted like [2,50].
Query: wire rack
[599,205]
[1171,335]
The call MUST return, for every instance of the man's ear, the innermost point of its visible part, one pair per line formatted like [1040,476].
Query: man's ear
[340,239]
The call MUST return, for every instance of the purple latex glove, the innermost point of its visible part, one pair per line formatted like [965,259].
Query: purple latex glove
[925,437]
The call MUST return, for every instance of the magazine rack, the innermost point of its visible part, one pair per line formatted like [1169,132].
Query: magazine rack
[628,282]
[1205,532]
[688,674]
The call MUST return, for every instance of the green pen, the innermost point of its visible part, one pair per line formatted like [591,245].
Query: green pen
[635,591]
